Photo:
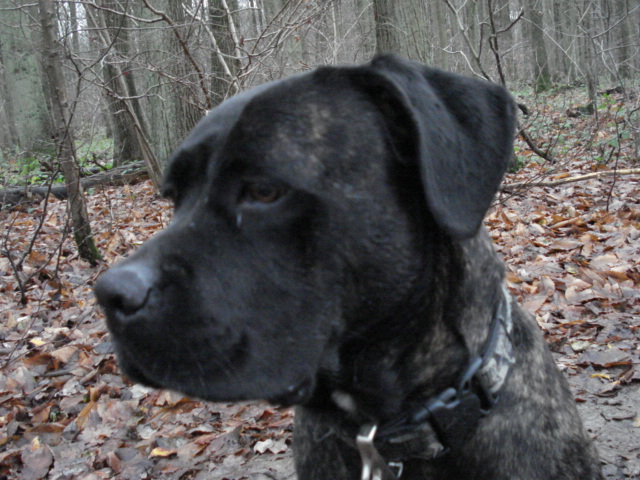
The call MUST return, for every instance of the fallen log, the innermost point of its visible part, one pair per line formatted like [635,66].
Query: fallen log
[124,175]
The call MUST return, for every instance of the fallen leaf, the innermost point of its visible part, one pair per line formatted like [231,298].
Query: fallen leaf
[580,346]
[273,446]
[162,452]
[606,359]
[564,244]
[37,460]
[64,354]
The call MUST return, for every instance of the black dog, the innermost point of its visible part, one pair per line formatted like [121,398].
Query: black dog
[327,252]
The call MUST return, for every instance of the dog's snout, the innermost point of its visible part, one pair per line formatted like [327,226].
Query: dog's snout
[124,288]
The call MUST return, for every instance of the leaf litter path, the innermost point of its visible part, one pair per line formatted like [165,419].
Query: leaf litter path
[572,257]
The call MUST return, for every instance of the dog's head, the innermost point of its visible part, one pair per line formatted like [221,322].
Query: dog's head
[303,207]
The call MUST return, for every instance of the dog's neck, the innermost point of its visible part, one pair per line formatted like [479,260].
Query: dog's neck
[390,369]
[442,423]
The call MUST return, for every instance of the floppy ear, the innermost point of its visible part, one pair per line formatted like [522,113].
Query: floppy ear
[460,130]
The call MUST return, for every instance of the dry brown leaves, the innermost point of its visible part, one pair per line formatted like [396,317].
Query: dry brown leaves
[573,259]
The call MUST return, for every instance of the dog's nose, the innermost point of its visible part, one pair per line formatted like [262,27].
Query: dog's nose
[124,288]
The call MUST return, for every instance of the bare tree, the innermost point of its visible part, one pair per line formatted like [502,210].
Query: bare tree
[535,26]
[64,134]
[118,74]
[162,64]
[225,60]
[12,137]
[386,26]
[128,103]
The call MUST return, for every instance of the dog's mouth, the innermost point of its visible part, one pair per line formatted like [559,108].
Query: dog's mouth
[234,376]
[294,394]
[131,371]
[164,362]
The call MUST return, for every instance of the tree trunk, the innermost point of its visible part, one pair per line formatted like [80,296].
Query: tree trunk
[473,20]
[587,51]
[136,123]
[441,56]
[12,132]
[541,75]
[125,146]
[625,40]
[64,135]
[73,24]
[186,94]
[386,29]
[571,38]
[224,64]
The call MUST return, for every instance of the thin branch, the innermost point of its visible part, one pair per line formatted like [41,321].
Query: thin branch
[187,52]
[507,187]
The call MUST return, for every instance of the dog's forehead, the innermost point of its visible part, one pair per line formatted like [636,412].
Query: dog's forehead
[309,130]
[217,124]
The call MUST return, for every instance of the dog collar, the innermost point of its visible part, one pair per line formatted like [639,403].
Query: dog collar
[443,422]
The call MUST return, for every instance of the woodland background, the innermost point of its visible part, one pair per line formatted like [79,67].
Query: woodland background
[94,95]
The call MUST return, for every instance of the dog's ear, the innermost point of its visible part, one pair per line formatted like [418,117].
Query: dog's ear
[460,130]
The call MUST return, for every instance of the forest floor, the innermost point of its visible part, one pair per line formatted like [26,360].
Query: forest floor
[572,253]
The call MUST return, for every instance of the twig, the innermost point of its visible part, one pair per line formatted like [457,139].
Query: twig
[187,52]
[534,148]
[57,373]
[615,166]
[554,183]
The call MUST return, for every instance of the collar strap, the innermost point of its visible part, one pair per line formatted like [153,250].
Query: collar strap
[444,422]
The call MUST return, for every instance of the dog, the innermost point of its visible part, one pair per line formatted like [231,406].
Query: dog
[327,251]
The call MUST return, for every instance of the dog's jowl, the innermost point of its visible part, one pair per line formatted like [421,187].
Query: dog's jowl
[327,251]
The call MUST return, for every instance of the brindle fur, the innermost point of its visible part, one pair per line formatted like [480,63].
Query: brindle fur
[363,289]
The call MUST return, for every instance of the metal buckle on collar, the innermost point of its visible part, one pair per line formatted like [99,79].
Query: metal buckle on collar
[455,414]
[374,466]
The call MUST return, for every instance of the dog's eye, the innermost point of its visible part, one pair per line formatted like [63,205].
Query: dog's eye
[263,192]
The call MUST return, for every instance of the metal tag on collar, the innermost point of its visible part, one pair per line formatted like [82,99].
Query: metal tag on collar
[374,466]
